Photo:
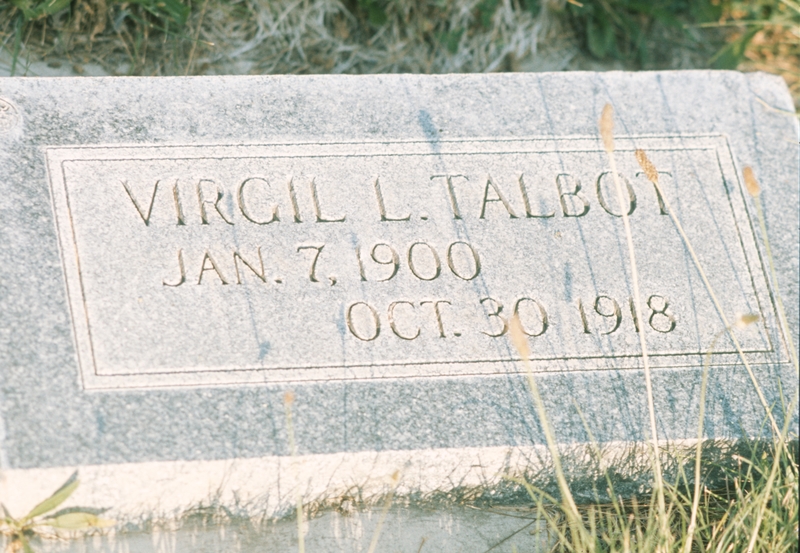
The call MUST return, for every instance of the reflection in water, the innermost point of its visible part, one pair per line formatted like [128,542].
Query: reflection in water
[412,530]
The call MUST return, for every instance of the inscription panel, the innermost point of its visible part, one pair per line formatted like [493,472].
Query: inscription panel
[207,265]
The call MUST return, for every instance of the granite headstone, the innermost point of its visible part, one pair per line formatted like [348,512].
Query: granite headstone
[177,253]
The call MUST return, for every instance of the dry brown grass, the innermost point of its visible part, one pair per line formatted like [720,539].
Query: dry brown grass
[285,36]
[337,36]
[776,49]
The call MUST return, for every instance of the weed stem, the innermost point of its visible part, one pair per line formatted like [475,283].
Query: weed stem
[520,342]
[606,129]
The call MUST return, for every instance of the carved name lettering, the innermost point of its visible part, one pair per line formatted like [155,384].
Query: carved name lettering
[567,198]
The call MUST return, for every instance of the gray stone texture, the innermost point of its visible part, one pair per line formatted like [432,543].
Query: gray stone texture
[60,408]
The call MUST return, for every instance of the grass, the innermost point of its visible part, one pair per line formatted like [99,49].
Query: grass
[179,37]
[756,510]
[43,519]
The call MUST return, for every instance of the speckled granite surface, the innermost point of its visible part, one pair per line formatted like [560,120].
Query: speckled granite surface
[176,253]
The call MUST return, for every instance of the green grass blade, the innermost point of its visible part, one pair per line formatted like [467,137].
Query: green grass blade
[78,520]
[58,497]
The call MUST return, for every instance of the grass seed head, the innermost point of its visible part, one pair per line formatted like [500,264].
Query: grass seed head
[647,166]
[747,319]
[288,398]
[750,182]
[607,128]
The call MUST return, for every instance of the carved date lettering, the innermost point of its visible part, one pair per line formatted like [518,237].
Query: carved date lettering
[364,321]
[531,313]
[660,318]
[423,261]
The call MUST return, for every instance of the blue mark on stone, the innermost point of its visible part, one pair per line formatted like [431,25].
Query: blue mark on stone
[425,121]
[263,349]
[429,129]
[101,422]
[568,282]
[340,323]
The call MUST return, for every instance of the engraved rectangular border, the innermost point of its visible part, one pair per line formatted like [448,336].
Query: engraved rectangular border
[56,157]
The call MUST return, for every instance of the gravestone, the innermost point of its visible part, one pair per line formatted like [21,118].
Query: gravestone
[178,253]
